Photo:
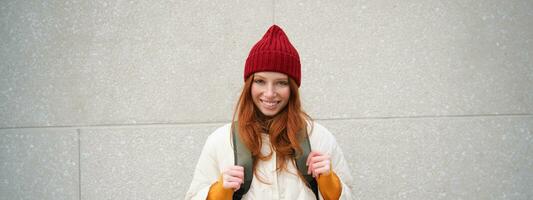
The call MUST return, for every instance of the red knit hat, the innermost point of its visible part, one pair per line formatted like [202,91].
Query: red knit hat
[274,53]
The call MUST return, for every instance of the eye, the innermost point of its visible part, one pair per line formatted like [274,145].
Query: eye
[283,83]
[259,81]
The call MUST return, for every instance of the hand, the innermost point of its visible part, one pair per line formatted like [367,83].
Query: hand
[232,177]
[318,163]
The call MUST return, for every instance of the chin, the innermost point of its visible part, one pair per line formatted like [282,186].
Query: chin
[270,113]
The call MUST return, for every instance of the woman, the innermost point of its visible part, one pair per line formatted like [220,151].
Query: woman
[274,129]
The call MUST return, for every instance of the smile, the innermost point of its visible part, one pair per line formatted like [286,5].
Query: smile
[269,104]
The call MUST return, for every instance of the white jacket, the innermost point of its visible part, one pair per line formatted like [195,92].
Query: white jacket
[217,154]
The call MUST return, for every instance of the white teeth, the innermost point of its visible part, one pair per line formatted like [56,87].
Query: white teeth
[270,103]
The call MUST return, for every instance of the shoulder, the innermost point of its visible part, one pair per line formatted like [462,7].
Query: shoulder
[220,135]
[219,146]
[320,137]
[317,130]
[221,131]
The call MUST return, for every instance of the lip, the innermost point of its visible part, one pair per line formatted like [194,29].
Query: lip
[271,105]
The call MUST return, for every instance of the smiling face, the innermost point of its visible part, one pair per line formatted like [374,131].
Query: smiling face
[270,92]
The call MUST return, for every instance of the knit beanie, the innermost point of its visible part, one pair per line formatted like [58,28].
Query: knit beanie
[274,53]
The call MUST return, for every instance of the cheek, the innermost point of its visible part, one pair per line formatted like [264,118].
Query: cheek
[286,94]
[254,91]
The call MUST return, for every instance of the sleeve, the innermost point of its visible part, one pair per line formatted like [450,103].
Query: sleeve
[330,186]
[218,192]
[325,142]
[342,170]
[206,172]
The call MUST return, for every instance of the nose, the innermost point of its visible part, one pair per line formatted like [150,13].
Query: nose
[270,91]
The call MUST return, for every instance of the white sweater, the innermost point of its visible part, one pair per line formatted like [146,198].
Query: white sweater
[217,154]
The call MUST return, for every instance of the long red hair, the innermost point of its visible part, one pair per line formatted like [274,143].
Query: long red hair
[283,128]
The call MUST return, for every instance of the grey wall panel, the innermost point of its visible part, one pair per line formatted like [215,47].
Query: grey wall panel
[429,100]
[86,63]
[140,162]
[124,62]
[439,158]
[412,58]
[39,164]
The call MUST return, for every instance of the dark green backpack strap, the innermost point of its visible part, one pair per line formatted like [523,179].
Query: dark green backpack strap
[302,159]
[242,157]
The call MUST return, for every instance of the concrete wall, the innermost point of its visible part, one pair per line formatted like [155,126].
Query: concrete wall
[114,99]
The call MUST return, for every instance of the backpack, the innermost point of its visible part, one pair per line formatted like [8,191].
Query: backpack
[243,157]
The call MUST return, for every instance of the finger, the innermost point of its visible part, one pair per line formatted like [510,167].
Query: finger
[236,173]
[310,165]
[321,163]
[311,155]
[314,157]
[231,178]
[234,170]
[317,159]
[234,179]
[320,171]
[233,185]
[228,176]
[318,165]
[323,168]
[231,182]
[320,155]
[234,167]
[238,167]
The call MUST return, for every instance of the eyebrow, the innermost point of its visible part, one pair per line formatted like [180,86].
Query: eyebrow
[259,76]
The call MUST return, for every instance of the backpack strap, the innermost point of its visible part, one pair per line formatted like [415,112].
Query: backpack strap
[243,157]
[301,162]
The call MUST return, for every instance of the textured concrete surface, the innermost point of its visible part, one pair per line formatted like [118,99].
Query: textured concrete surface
[140,163]
[439,158]
[382,58]
[69,63]
[124,62]
[39,164]
[429,100]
